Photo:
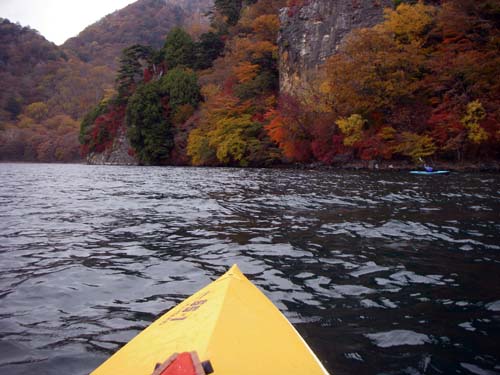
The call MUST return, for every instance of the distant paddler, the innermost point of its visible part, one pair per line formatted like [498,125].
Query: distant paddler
[427,167]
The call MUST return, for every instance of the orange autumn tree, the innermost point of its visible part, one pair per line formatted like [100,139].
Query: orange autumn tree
[288,126]
[379,68]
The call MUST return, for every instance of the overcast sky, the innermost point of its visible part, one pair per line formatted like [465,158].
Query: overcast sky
[58,20]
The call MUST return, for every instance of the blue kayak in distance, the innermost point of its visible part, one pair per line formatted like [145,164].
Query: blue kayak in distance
[429,173]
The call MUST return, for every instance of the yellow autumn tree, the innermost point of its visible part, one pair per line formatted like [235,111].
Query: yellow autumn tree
[235,139]
[378,67]
[351,128]
[227,133]
[371,72]
[199,149]
[414,146]
[474,114]
[38,111]
[409,23]
[245,71]
[266,27]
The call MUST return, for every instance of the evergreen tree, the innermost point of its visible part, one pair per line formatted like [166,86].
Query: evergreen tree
[178,49]
[149,128]
[207,49]
[131,67]
[181,86]
[13,106]
[230,9]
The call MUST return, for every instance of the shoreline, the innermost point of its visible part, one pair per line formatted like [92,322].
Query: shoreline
[403,166]
[370,166]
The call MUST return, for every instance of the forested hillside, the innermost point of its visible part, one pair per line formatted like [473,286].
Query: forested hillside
[46,90]
[423,84]
[44,93]
[144,22]
[23,53]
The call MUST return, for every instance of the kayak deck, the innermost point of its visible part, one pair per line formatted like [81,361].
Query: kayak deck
[229,322]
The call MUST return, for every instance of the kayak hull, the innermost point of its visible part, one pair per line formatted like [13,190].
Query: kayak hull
[232,324]
[429,173]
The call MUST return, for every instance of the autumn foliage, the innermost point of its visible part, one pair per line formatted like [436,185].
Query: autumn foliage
[239,91]
[423,84]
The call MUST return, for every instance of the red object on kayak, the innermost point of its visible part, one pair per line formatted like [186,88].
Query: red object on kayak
[184,364]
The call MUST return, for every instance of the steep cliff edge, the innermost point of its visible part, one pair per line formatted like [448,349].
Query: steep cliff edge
[312,32]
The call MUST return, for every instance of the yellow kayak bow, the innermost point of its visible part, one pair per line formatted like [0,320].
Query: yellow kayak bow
[229,322]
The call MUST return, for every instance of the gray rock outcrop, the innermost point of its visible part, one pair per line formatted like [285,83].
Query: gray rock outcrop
[119,154]
[315,31]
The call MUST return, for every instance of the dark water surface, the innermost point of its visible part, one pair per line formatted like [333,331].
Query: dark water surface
[381,273]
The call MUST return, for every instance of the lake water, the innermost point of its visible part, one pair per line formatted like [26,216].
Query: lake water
[382,273]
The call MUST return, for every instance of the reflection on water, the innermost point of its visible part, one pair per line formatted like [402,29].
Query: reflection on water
[382,273]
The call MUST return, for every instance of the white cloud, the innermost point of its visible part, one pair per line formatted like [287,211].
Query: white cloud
[58,20]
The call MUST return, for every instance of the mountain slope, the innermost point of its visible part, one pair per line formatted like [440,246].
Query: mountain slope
[143,22]
[25,55]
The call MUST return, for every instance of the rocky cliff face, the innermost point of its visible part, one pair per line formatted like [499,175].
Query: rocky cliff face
[117,155]
[314,31]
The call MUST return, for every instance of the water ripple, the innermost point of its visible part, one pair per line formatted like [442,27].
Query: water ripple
[382,273]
